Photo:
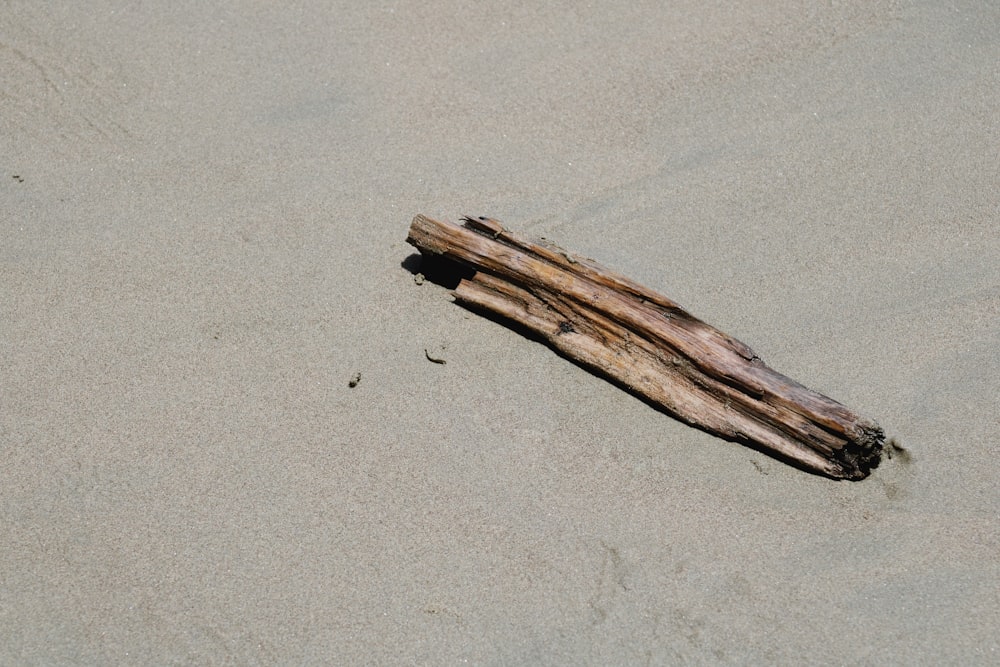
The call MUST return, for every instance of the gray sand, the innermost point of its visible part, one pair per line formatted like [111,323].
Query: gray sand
[204,243]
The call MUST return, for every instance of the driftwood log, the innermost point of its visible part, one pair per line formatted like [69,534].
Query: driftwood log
[651,346]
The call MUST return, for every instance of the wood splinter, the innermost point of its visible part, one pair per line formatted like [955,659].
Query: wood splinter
[651,346]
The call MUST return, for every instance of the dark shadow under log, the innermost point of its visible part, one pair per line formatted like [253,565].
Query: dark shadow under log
[651,346]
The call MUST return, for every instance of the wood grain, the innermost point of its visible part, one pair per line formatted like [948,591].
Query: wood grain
[651,346]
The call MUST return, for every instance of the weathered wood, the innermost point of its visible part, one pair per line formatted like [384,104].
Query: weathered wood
[652,346]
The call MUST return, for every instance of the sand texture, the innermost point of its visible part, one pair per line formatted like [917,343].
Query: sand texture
[203,223]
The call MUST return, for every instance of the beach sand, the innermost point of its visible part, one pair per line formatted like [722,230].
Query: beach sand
[203,223]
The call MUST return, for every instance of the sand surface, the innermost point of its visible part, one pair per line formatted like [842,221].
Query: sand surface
[203,219]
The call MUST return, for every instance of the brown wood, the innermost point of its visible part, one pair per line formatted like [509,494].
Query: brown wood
[651,346]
